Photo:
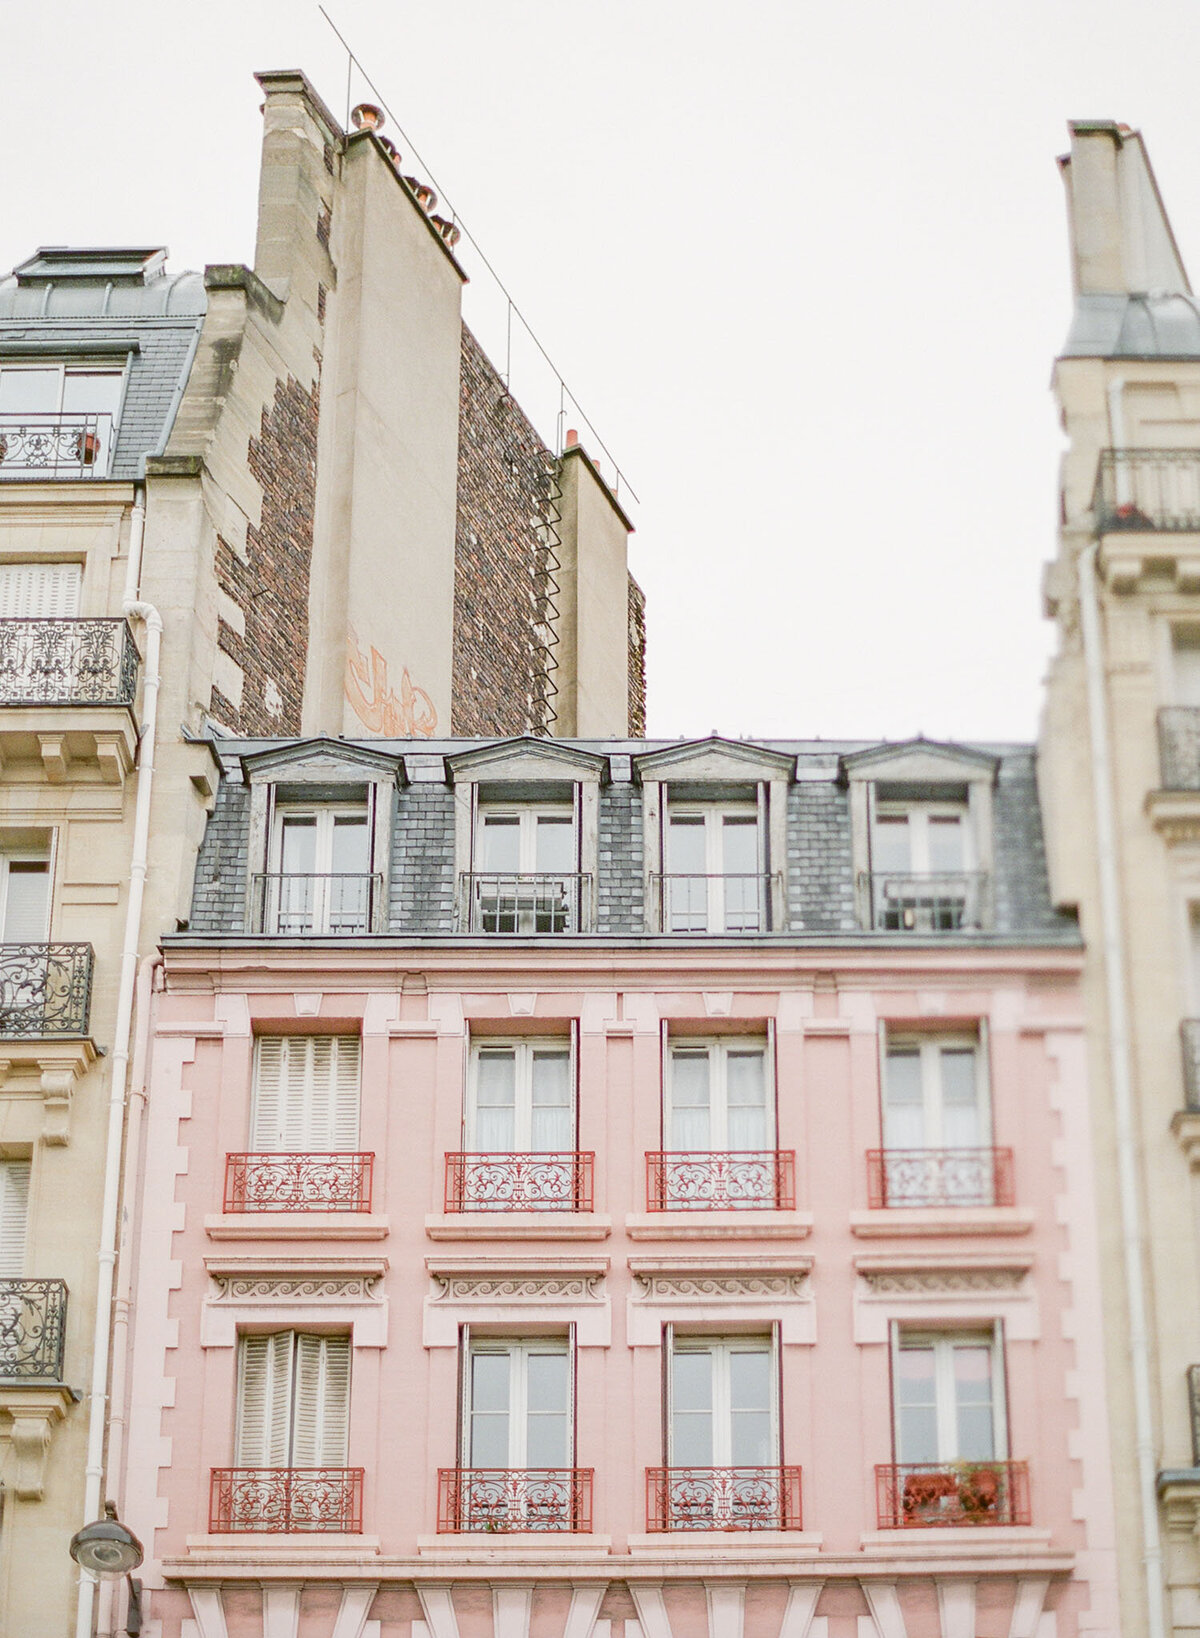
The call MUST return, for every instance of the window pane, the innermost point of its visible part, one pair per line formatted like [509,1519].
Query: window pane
[92,392]
[298,845]
[552,1122]
[685,845]
[691,1421]
[29,392]
[946,851]
[495,1101]
[916,1406]
[501,843]
[961,1126]
[903,1111]
[973,1395]
[746,1092]
[27,900]
[555,845]
[690,1125]
[489,1410]
[750,1439]
[739,851]
[750,1407]
[890,848]
[350,850]
[546,1394]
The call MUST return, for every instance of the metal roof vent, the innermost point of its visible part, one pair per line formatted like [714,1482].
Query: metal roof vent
[60,264]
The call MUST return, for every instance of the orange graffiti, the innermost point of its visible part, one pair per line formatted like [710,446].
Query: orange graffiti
[376,705]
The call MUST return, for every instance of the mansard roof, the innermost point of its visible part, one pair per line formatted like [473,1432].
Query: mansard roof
[320,761]
[715,760]
[919,761]
[528,758]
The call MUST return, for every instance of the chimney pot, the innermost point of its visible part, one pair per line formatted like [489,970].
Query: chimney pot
[572,438]
[366,117]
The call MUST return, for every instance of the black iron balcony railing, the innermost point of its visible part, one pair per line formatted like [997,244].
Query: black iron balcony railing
[736,903]
[942,902]
[514,1498]
[33,1326]
[45,990]
[298,1182]
[723,1498]
[1179,747]
[55,446]
[525,902]
[1147,489]
[67,662]
[939,1177]
[285,1500]
[925,1494]
[289,904]
[721,1180]
[1189,1037]
[558,1181]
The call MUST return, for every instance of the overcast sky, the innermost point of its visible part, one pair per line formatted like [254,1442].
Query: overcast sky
[803,263]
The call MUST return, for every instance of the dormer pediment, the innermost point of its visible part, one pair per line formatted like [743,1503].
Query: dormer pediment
[921,762]
[715,761]
[320,762]
[528,761]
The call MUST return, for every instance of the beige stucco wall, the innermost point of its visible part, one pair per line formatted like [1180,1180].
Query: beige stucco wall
[592,670]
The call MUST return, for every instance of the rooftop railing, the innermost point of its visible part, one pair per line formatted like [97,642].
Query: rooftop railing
[502,1499]
[53,446]
[939,1177]
[67,662]
[721,1180]
[298,1182]
[733,903]
[293,904]
[1147,489]
[941,902]
[559,1181]
[924,1494]
[33,1325]
[285,1500]
[524,902]
[723,1498]
[1179,747]
[45,990]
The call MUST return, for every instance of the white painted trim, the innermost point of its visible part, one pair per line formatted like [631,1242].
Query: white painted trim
[884,1604]
[512,1607]
[352,1613]
[437,1606]
[799,1616]
[209,1611]
[281,1608]
[726,1608]
[586,1600]
[1027,1606]
[652,1611]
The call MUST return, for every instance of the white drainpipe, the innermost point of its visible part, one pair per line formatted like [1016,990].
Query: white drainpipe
[1121,1068]
[107,1255]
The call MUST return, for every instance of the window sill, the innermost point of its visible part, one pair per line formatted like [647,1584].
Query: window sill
[723,1544]
[472,1545]
[958,1541]
[296,1225]
[946,1222]
[518,1225]
[719,1225]
[273,1547]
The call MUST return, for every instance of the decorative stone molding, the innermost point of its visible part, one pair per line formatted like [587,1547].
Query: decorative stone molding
[700,1289]
[37,1083]
[273,1288]
[287,1290]
[519,1287]
[470,1290]
[33,1414]
[922,1281]
[942,1289]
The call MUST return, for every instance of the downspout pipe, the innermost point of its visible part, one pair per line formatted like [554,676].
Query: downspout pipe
[122,1033]
[1120,1054]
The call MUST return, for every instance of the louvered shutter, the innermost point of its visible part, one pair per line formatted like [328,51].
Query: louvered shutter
[265,1400]
[39,591]
[266,1114]
[14,1214]
[345,1092]
[322,1401]
[306,1093]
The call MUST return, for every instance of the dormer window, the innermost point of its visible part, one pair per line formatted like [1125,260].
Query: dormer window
[58,420]
[714,881]
[525,877]
[320,880]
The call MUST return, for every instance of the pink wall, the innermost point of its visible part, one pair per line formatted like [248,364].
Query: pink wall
[850,1274]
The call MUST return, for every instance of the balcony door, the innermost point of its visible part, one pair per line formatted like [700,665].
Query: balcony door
[24,897]
[519,1405]
[723,1403]
[14,1216]
[56,418]
[39,591]
[293,1400]
[320,879]
[521,1099]
[936,1123]
[713,871]
[717,1097]
[306,1094]
[949,1404]
[526,871]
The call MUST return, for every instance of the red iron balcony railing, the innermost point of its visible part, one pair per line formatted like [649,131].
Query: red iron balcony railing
[514,1498]
[940,1177]
[285,1500]
[723,1498]
[305,1182]
[925,1494]
[520,1182]
[721,1180]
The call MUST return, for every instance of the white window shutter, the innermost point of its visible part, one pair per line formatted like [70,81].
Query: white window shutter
[14,1215]
[265,1400]
[39,591]
[306,1093]
[266,1115]
[345,1093]
[322,1401]
[296,1095]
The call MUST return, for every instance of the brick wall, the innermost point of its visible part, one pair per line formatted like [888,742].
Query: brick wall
[270,585]
[505,476]
[637,661]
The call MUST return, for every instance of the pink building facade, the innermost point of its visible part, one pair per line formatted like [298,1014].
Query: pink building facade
[617,1191]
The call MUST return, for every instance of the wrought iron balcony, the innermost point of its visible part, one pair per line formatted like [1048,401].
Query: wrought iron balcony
[945,902]
[289,904]
[55,446]
[67,662]
[737,903]
[285,1500]
[1179,747]
[514,1498]
[723,1498]
[1147,489]
[1189,1032]
[45,990]
[33,1324]
[520,1182]
[721,1180]
[298,1182]
[925,1494]
[939,1177]
[524,902]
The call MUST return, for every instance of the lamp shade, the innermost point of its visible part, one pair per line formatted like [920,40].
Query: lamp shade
[106,1548]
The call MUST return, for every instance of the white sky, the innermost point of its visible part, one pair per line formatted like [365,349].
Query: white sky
[802,261]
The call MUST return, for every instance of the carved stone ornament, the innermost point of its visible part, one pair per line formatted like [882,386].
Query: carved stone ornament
[942,1281]
[699,1287]
[299,1288]
[519,1287]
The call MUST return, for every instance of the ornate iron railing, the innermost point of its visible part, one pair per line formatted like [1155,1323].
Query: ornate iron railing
[939,1177]
[55,446]
[1189,1039]
[723,1498]
[721,1180]
[942,902]
[289,904]
[285,1500]
[67,662]
[33,1325]
[1141,489]
[298,1182]
[1193,1383]
[520,1182]
[45,990]
[525,902]
[1179,747]
[514,1498]
[737,903]
[921,1494]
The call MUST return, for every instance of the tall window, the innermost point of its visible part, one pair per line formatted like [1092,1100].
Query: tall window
[525,871]
[723,1402]
[1185,665]
[937,1138]
[39,591]
[306,1093]
[520,1097]
[949,1398]
[924,875]
[717,1096]
[320,880]
[921,840]
[713,878]
[14,1215]
[518,1412]
[293,1400]
[58,417]
[24,896]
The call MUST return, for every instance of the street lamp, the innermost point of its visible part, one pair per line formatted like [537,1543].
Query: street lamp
[108,1549]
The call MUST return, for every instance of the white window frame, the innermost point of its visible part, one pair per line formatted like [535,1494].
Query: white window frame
[345,1063]
[25,855]
[918,814]
[929,1047]
[722,1346]
[517,1349]
[80,366]
[527,815]
[714,815]
[15,1180]
[944,1342]
[523,1047]
[718,1048]
[321,909]
[296,1339]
